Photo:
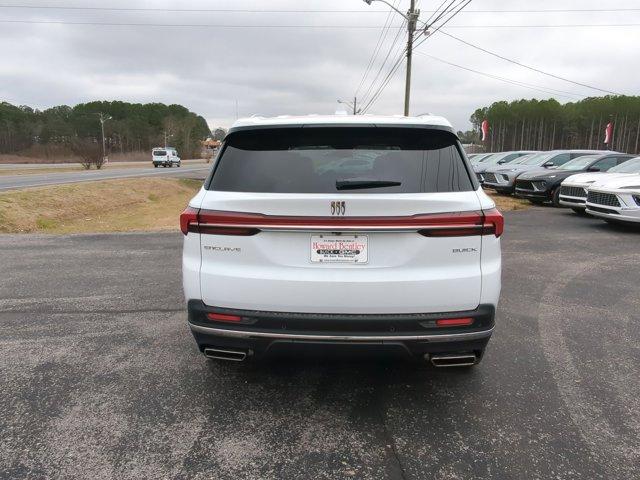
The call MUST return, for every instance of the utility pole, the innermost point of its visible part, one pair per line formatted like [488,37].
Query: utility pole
[412,18]
[103,118]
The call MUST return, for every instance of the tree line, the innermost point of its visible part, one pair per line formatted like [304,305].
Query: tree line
[128,127]
[547,124]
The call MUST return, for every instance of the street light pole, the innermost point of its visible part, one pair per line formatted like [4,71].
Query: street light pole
[103,118]
[354,105]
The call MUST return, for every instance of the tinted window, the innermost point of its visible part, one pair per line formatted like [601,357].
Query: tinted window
[317,160]
[159,153]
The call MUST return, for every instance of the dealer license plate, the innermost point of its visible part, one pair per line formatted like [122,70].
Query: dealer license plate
[339,248]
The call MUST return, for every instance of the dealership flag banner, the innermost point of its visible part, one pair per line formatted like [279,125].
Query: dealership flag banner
[485,130]
[608,131]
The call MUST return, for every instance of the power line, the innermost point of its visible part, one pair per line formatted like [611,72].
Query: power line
[532,86]
[318,26]
[385,82]
[302,11]
[392,46]
[449,9]
[515,62]
[381,39]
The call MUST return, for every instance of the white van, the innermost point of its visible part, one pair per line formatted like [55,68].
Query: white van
[165,156]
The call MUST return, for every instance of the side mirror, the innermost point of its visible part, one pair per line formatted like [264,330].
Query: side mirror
[593,169]
[548,164]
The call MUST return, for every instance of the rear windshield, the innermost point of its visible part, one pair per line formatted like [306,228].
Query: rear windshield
[346,159]
[159,153]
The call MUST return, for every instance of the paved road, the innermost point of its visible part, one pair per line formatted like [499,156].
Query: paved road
[101,379]
[35,166]
[13,182]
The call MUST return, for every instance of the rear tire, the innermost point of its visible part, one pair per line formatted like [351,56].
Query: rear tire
[555,198]
[155,165]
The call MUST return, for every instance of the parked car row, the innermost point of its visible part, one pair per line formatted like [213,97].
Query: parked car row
[604,184]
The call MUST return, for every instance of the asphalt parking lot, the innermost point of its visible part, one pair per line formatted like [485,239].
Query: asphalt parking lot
[102,379]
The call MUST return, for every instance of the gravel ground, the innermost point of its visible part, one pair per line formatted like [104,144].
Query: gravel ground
[101,378]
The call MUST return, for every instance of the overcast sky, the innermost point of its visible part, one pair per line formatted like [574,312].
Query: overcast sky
[278,70]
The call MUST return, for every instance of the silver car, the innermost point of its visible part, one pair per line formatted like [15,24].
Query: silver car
[502,178]
[498,158]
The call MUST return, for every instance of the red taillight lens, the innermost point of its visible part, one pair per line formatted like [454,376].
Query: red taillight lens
[457,224]
[454,322]
[462,224]
[187,218]
[493,222]
[221,317]
[226,223]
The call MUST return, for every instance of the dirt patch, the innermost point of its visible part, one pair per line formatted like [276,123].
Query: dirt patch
[109,206]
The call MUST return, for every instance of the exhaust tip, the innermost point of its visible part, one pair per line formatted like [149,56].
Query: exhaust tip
[225,354]
[460,360]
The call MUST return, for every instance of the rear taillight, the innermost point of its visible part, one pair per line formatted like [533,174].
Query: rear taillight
[465,224]
[214,223]
[454,322]
[188,218]
[457,224]
[493,222]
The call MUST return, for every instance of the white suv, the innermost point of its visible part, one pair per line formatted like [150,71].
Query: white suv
[326,233]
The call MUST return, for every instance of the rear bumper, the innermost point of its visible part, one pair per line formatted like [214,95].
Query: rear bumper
[272,333]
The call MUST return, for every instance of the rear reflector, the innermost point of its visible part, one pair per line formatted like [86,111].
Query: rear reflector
[456,224]
[453,322]
[221,317]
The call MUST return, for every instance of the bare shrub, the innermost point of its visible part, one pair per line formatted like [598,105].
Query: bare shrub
[89,152]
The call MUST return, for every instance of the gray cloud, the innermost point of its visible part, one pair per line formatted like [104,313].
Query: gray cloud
[273,71]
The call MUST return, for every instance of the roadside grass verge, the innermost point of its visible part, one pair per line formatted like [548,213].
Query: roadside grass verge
[126,205]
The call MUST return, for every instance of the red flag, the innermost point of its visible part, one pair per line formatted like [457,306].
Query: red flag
[608,133]
[485,130]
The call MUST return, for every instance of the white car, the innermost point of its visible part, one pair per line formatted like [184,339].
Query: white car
[165,157]
[290,247]
[573,192]
[616,200]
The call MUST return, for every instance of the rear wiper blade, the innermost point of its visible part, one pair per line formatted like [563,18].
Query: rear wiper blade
[359,183]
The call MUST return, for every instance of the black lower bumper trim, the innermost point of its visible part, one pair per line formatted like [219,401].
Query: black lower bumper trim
[413,334]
